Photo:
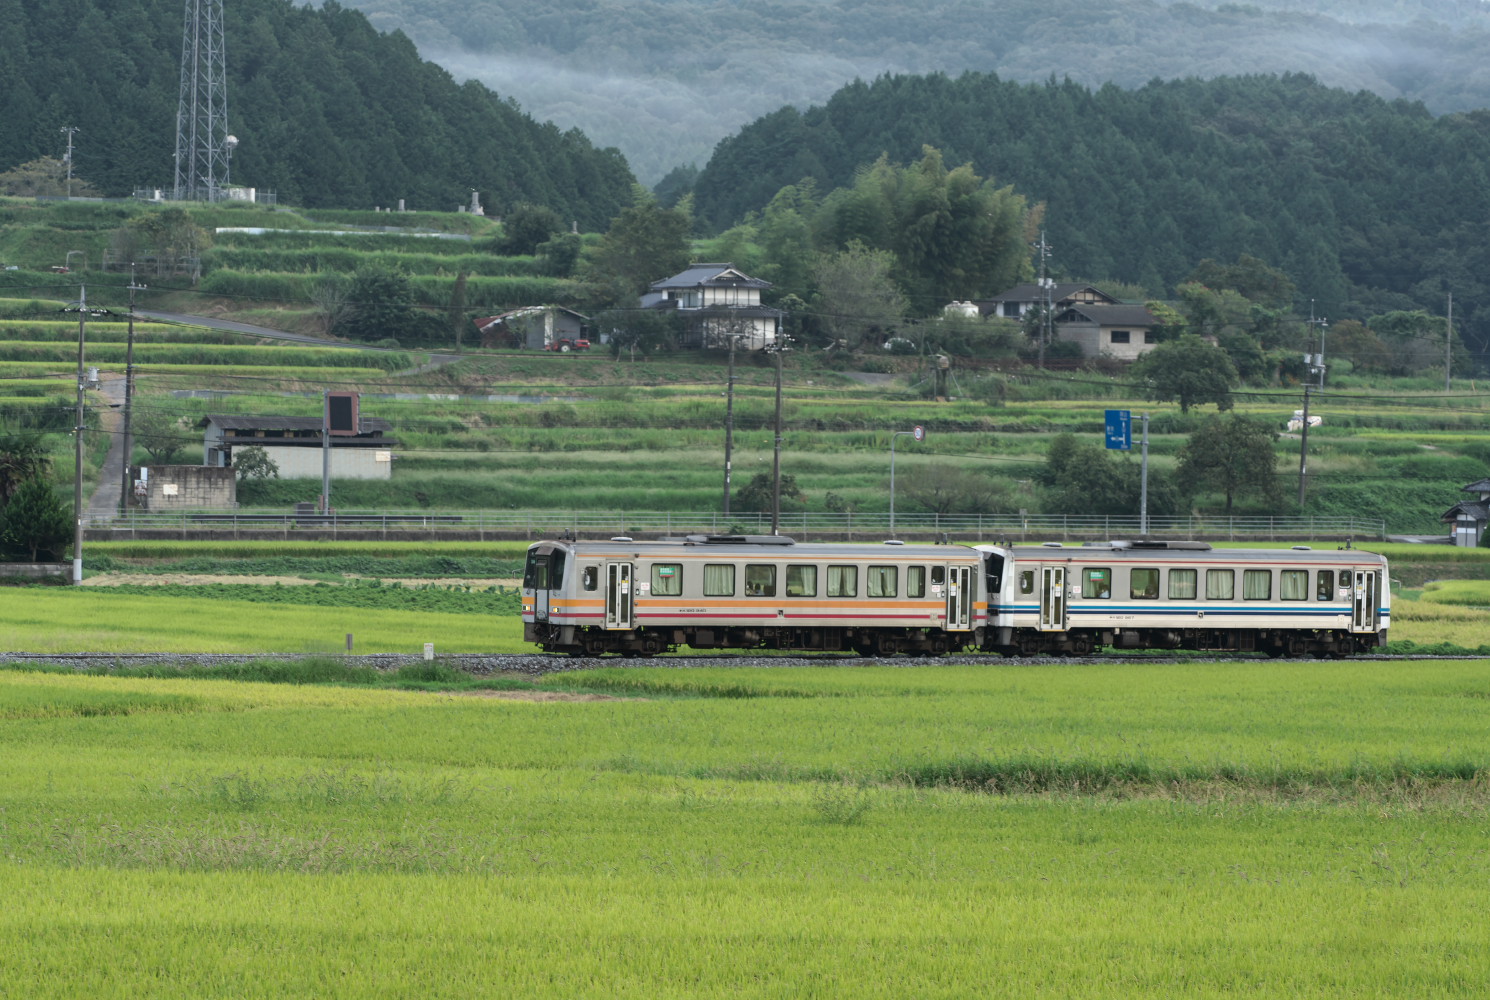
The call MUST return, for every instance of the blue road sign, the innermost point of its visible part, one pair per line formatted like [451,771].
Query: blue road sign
[1120,429]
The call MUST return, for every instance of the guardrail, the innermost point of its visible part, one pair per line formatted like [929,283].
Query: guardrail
[481,524]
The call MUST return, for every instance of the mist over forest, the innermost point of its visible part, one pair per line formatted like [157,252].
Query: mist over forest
[665,80]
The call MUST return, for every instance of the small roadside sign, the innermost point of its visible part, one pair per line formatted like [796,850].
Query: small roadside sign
[1120,429]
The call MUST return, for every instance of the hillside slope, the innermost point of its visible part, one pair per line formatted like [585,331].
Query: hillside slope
[329,111]
[666,79]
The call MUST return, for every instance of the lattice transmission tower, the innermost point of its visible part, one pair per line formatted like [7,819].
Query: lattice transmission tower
[204,148]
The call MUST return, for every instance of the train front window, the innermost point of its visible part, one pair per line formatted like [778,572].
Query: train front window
[1326,588]
[536,572]
[1096,583]
[915,581]
[1182,584]
[667,579]
[1257,584]
[760,580]
[1293,585]
[1143,584]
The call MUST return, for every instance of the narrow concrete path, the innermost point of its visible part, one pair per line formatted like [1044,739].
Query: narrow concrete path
[104,502]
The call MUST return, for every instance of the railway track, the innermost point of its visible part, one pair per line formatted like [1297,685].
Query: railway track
[538,664]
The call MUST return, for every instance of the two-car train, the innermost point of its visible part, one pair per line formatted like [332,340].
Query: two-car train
[767,592]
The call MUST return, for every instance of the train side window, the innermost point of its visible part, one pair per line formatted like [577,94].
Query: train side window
[719,579]
[1182,584]
[1293,585]
[915,581]
[843,581]
[590,578]
[1027,582]
[667,579]
[880,581]
[801,581]
[1096,583]
[1220,584]
[938,575]
[1326,587]
[760,580]
[1257,584]
[1143,583]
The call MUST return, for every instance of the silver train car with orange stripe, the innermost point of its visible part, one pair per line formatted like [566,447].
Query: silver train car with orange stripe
[751,592]
[767,592]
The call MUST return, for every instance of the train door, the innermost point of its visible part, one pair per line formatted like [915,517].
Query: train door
[1365,600]
[542,574]
[620,605]
[1052,598]
[959,597]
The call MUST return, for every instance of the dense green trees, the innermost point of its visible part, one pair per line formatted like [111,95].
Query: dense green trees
[645,243]
[33,521]
[329,111]
[1364,206]
[1232,455]
[1188,371]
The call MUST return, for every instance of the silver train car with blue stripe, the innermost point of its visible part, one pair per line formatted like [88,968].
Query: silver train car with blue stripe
[1073,600]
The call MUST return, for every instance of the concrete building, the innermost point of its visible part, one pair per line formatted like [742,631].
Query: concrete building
[161,489]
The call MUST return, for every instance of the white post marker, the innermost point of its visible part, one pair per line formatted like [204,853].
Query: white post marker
[429,651]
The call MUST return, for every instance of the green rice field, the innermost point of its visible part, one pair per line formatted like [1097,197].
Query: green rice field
[1176,830]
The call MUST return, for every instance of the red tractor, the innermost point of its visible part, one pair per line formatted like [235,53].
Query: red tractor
[567,344]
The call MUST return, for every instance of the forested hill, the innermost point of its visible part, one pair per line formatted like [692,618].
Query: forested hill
[329,111]
[1368,205]
[667,79]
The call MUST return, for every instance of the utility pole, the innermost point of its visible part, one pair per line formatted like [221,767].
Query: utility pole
[129,393]
[77,468]
[1448,349]
[1143,483]
[729,422]
[325,452]
[1315,363]
[69,131]
[1044,249]
[776,456]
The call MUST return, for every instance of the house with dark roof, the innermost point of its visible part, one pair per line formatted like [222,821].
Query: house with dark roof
[294,445]
[1467,518]
[1023,298]
[718,302]
[1115,331]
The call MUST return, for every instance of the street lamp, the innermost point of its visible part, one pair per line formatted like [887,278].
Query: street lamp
[919,433]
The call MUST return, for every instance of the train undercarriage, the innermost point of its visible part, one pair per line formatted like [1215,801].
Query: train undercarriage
[1272,642]
[580,641]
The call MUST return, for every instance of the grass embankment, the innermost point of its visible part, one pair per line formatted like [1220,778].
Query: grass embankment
[1177,830]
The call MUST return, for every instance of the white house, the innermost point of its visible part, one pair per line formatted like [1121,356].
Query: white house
[718,302]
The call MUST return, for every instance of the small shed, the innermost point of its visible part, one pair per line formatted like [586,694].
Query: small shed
[1467,518]
[293,444]
[535,328]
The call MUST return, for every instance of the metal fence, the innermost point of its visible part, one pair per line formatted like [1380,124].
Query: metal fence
[597,523]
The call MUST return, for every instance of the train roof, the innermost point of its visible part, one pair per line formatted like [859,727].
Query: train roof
[763,547]
[1186,551]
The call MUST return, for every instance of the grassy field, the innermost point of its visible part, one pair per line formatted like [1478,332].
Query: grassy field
[1275,830]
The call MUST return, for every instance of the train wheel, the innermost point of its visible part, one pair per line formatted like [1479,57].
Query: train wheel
[887,645]
[594,645]
[1081,645]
